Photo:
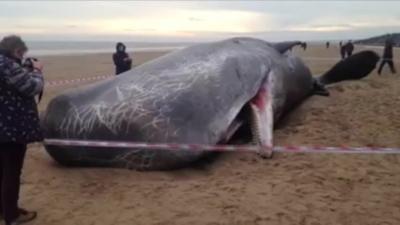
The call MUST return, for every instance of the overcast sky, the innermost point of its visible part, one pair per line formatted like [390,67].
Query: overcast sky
[198,20]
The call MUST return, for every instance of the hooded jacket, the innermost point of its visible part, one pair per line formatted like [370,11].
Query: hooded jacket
[118,57]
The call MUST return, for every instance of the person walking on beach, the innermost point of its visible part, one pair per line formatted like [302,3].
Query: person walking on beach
[349,48]
[304,45]
[19,123]
[121,59]
[387,56]
[327,44]
[342,51]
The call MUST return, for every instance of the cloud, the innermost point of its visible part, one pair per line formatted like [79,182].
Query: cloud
[321,28]
[345,23]
[156,22]
[197,20]
[194,19]
[71,26]
[348,26]
[176,22]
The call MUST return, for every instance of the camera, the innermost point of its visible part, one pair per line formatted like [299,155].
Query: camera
[28,63]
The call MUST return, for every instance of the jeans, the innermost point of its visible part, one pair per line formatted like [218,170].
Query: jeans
[389,62]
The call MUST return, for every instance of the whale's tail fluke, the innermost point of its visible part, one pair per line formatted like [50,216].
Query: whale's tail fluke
[354,67]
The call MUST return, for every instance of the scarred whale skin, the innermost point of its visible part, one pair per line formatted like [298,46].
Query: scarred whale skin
[187,96]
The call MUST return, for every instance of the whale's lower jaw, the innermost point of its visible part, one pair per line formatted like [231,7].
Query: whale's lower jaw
[254,124]
[136,159]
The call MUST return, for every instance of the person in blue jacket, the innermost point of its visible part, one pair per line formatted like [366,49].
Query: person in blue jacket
[19,123]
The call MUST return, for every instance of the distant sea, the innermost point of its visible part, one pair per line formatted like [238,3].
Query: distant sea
[40,48]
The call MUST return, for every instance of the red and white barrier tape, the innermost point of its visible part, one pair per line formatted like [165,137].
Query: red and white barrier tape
[78,80]
[223,148]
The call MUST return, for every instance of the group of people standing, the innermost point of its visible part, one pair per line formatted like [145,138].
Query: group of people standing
[347,49]
[123,62]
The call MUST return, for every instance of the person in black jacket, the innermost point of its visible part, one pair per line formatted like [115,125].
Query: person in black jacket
[121,59]
[349,48]
[304,45]
[342,51]
[346,50]
[387,56]
[19,123]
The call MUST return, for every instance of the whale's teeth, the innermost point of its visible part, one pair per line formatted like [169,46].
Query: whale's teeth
[255,126]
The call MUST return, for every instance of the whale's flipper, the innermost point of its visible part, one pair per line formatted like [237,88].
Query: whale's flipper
[354,67]
[283,47]
[319,89]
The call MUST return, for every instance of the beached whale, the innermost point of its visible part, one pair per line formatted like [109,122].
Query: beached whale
[204,94]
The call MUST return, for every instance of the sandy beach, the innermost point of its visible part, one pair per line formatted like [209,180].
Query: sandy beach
[290,189]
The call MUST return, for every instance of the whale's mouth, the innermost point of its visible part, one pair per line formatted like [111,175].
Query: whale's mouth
[261,118]
[254,124]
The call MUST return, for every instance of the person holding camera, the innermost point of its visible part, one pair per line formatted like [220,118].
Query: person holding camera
[121,59]
[19,123]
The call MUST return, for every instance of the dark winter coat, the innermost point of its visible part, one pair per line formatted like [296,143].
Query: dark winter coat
[19,120]
[388,50]
[121,65]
